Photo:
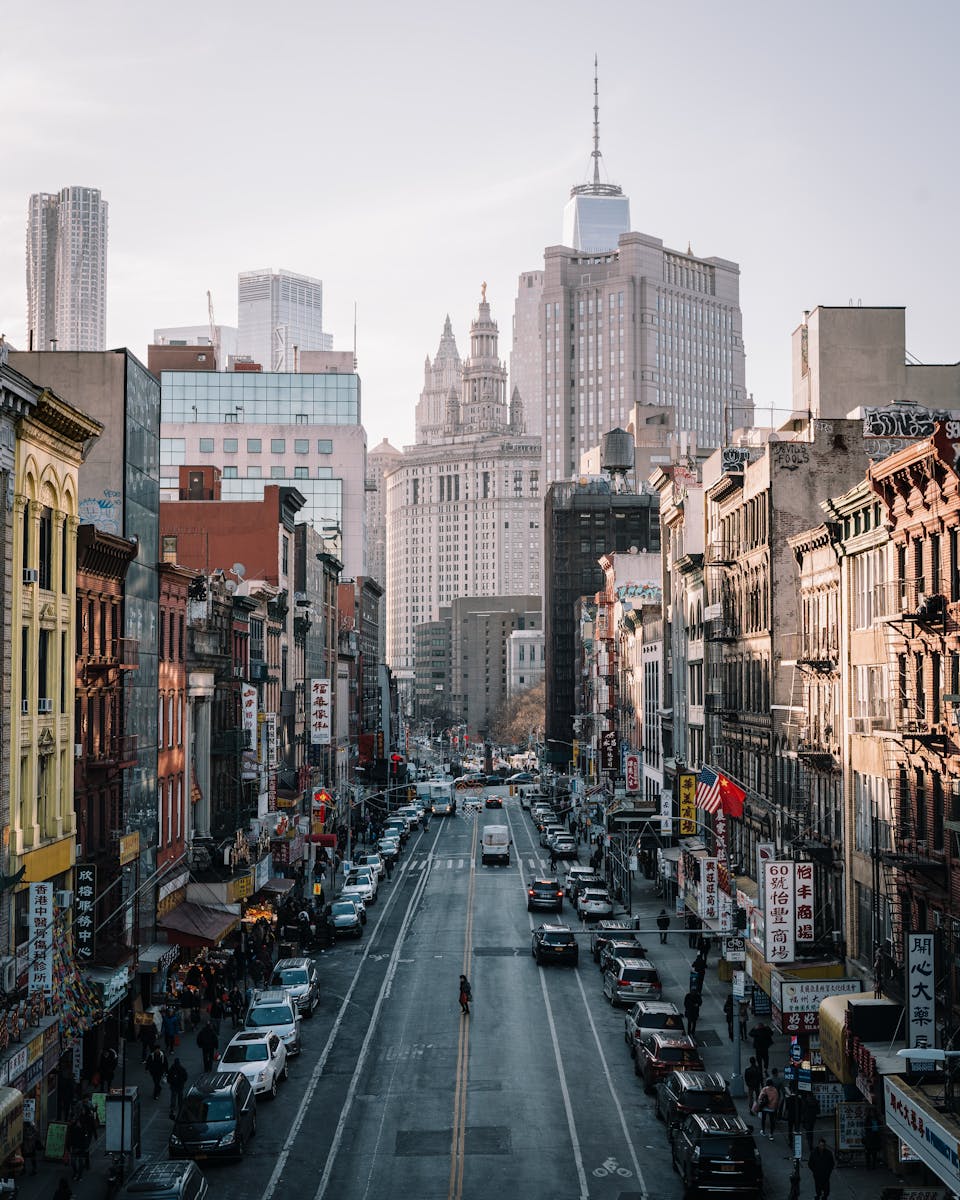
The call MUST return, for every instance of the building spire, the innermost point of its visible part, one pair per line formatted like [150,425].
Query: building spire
[596,123]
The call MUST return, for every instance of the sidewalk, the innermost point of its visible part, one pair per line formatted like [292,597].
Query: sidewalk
[673,961]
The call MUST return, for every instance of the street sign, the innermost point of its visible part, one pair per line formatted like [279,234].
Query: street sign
[796,1051]
[739,985]
[735,949]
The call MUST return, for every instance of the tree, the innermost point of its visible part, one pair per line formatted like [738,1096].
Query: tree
[522,715]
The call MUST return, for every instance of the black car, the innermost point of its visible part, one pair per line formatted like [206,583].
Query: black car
[217,1118]
[166,1181]
[686,1092]
[611,931]
[545,893]
[716,1155]
[554,943]
[494,802]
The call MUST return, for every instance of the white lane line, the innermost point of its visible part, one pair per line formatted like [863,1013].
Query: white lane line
[322,1060]
[460,864]
[449,863]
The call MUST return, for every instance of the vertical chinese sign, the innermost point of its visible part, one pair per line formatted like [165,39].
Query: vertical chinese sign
[248,723]
[320,712]
[41,938]
[84,910]
[780,916]
[631,771]
[707,900]
[687,791]
[804,900]
[666,812]
[921,1025]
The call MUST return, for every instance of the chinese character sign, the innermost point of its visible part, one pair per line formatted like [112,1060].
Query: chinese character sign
[666,812]
[766,852]
[708,902]
[780,912]
[921,1025]
[687,791]
[320,712]
[631,768]
[804,900]
[41,938]
[248,723]
[84,906]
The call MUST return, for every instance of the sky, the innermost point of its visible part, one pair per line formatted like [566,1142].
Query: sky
[404,154]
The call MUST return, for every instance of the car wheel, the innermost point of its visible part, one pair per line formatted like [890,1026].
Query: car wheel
[273,1088]
[285,1073]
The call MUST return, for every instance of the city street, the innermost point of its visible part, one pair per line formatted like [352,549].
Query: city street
[532,1095]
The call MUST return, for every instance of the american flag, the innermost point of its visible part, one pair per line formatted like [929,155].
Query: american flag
[708,790]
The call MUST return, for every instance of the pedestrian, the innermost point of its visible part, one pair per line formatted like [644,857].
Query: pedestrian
[29,1146]
[753,1079]
[697,972]
[65,1090]
[873,1138]
[744,1016]
[728,1013]
[170,1028]
[156,1069]
[809,1111]
[236,1006]
[692,925]
[691,1008]
[762,1036]
[148,1036]
[663,924]
[217,1012]
[466,995]
[63,1191]
[78,1143]
[107,1067]
[878,975]
[821,1163]
[767,1104]
[176,1081]
[208,1042]
[792,1108]
[553,858]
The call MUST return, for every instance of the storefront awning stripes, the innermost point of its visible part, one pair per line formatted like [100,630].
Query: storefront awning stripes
[196,925]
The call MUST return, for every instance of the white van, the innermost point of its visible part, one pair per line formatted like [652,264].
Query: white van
[495,844]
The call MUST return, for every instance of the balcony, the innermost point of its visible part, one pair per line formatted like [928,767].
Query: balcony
[122,653]
[722,629]
[113,754]
[720,552]
[818,649]
[909,600]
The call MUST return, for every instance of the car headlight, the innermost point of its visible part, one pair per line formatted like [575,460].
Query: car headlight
[261,1076]
[228,1138]
[174,1140]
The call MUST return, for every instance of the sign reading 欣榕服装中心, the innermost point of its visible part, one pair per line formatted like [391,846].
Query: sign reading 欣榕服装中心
[921,1026]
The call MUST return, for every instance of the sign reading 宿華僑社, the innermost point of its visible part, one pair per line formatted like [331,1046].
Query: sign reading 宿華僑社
[921,1026]
[320,704]
[779,912]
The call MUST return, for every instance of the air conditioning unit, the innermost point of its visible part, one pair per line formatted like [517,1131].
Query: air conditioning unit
[62,899]
[238,672]
[8,973]
[24,706]
[31,575]
[44,705]
[78,749]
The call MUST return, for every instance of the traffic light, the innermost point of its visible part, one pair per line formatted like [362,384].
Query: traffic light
[379,743]
[576,751]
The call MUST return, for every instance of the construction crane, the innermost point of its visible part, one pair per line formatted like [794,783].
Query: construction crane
[214,334]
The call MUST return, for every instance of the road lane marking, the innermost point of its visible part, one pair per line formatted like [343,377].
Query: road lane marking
[458,1139]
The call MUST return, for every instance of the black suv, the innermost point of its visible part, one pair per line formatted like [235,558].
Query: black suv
[554,943]
[686,1092]
[545,893]
[166,1181]
[217,1118]
[716,1155]
[615,931]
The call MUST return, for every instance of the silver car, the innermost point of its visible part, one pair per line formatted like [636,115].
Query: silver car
[299,977]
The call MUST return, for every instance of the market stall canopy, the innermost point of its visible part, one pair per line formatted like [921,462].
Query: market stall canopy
[278,886]
[155,956]
[191,924]
[11,1121]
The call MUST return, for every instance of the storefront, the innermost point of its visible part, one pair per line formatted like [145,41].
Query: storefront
[11,1122]
[198,926]
[922,1132]
[153,966]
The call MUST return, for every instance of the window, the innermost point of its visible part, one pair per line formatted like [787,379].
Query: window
[229,445]
[278,445]
[301,446]
[286,556]
[46,547]
[253,445]
[301,472]
[169,548]
[230,472]
[206,445]
[324,446]
[278,472]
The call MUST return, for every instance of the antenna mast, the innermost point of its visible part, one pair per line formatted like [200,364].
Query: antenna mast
[596,124]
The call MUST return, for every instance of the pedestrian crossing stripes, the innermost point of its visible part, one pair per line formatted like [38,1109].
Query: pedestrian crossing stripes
[441,863]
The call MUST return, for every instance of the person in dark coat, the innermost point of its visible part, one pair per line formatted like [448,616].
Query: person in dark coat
[691,1009]
[809,1111]
[753,1080]
[209,1043]
[148,1038]
[762,1036]
[821,1164]
[698,972]
[663,924]
[873,1138]
[157,1068]
[170,1028]
[466,995]
[108,1067]
[176,1081]
[29,1146]
[78,1143]
[792,1109]
[728,1013]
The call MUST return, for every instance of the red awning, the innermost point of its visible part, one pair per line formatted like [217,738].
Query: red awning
[197,925]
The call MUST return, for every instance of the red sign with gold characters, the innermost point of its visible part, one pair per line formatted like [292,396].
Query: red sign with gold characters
[631,768]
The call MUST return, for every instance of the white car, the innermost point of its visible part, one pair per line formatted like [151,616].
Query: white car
[356,903]
[356,891]
[594,902]
[275,1011]
[262,1057]
[374,862]
[364,877]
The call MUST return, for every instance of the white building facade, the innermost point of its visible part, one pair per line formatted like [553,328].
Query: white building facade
[280,314]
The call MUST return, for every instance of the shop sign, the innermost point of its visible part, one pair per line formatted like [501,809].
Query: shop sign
[18,1063]
[795,1022]
[779,911]
[707,898]
[263,871]
[41,938]
[320,702]
[851,1125]
[804,995]
[631,772]
[666,812]
[829,1096]
[35,1048]
[169,902]
[932,1141]
[248,723]
[240,888]
[34,1073]
[761,1003]
[609,751]
[51,1036]
[921,1028]
[739,985]
[50,1059]
[84,906]
[687,791]
[804,886]
[766,852]
[129,847]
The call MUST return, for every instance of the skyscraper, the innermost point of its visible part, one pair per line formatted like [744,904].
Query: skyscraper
[280,314]
[67,270]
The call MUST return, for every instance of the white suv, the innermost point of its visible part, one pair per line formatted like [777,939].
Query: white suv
[262,1057]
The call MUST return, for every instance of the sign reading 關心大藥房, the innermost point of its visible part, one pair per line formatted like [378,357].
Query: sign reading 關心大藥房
[921,1026]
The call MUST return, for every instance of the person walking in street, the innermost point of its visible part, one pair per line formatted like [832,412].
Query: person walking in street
[663,924]
[78,1143]
[792,1108]
[697,972]
[728,1013]
[29,1146]
[209,1043]
[753,1079]
[767,1104]
[821,1164]
[762,1036]
[553,858]
[108,1067]
[466,995]
[691,1010]
[176,1081]
[148,1037]
[156,1069]
[744,1014]
[809,1111]
[170,1028]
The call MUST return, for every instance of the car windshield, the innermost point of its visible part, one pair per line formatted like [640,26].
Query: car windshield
[246,1052]
[660,1021]
[639,975]
[679,1054]
[727,1147]
[291,976]
[707,1101]
[200,1109]
[556,938]
[343,909]
[270,1014]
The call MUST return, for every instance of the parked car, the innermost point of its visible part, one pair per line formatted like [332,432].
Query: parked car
[166,1181]
[685,1092]
[716,1155]
[276,1011]
[356,892]
[217,1118]
[593,902]
[261,1057]
[545,893]
[629,979]
[389,848]
[299,977]
[650,1016]
[660,1054]
[554,943]
[548,832]
[605,931]
[362,884]
[373,862]
[346,919]
[564,846]
[620,947]
[575,874]
[522,777]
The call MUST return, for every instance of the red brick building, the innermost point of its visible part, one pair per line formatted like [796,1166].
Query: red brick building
[173,803]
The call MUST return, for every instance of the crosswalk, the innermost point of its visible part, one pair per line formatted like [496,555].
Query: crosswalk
[430,862]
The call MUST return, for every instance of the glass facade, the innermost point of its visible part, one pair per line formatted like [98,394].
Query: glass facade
[280,399]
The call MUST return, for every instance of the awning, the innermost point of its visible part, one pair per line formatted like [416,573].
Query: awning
[196,925]
[111,983]
[278,886]
[11,1121]
[157,956]
[933,1136]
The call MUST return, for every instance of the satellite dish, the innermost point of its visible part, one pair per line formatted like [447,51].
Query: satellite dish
[239,570]
[231,586]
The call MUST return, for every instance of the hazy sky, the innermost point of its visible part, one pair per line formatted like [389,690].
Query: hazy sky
[404,153]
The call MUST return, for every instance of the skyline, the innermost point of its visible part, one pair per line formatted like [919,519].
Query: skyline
[811,154]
